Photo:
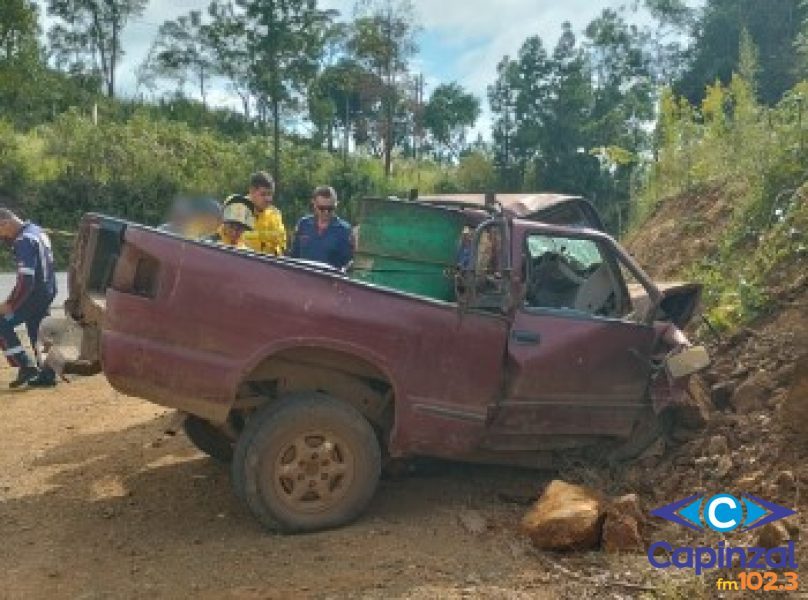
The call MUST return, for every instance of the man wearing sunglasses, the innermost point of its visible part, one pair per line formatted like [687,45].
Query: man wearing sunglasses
[323,236]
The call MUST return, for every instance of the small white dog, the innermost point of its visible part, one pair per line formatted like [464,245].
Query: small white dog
[50,357]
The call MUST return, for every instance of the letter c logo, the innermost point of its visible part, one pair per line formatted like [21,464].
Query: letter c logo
[723,513]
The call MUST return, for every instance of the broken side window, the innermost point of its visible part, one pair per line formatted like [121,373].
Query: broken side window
[572,274]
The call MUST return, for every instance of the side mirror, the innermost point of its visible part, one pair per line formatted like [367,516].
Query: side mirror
[687,362]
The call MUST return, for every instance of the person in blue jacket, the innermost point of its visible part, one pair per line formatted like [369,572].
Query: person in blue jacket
[323,236]
[30,300]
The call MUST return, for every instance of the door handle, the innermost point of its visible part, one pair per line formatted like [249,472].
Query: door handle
[526,338]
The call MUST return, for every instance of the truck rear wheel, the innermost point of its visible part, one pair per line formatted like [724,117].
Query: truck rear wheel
[305,463]
[209,439]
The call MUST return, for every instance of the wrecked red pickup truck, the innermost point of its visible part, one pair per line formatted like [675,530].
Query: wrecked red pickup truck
[307,379]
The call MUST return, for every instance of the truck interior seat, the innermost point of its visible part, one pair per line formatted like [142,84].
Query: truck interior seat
[595,292]
[550,284]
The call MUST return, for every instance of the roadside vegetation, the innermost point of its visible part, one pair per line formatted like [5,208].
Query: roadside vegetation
[752,157]
[649,101]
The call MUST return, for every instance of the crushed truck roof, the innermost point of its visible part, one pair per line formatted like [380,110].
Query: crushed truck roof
[527,206]
[521,205]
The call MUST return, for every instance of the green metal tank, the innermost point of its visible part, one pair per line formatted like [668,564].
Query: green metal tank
[408,246]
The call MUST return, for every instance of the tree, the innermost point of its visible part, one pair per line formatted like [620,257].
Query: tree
[18,30]
[226,33]
[383,41]
[774,26]
[336,99]
[91,30]
[182,50]
[748,60]
[448,114]
[534,92]
[502,100]
[624,99]
[565,163]
[675,13]
[329,80]
[285,40]
[29,92]
[672,22]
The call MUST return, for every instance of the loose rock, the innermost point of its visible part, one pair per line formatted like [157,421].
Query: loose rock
[695,412]
[621,534]
[772,535]
[786,483]
[753,393]
[750,482]
[621,530]
[718,446]
[565,517]
[793,530]
[722,467]
[794,410]
[721,394]
[628,505]
[473,522]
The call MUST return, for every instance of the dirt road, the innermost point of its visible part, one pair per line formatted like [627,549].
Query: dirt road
[96,503]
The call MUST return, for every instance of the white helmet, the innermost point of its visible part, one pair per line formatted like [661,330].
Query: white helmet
[239,210]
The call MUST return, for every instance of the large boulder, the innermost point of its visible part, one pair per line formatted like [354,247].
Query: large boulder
[565,517]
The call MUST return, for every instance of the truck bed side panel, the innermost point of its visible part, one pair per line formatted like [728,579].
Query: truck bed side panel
[215,314]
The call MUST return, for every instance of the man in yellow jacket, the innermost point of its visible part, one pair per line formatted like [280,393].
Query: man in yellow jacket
[268,235]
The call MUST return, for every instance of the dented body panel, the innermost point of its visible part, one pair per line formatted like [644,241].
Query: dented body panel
[195,341]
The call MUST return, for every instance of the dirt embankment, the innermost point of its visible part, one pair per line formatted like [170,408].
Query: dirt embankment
[681,231]
[753,406]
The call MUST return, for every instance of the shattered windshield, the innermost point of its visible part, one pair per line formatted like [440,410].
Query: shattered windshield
[584,253]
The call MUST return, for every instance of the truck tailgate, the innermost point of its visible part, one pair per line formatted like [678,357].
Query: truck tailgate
[96,250]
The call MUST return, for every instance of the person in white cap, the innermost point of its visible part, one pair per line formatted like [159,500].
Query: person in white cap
[238,217]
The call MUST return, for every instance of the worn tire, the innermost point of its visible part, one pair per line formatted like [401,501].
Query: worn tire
[207,438]
[306,463]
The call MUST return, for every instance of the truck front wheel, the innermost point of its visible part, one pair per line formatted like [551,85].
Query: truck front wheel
[305,463]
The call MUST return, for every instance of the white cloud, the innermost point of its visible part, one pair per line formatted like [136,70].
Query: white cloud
[505,27]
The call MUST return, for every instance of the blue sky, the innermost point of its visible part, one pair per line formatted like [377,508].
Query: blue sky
[460,40]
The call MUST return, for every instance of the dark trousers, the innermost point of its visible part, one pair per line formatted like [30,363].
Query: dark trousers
[10,342]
